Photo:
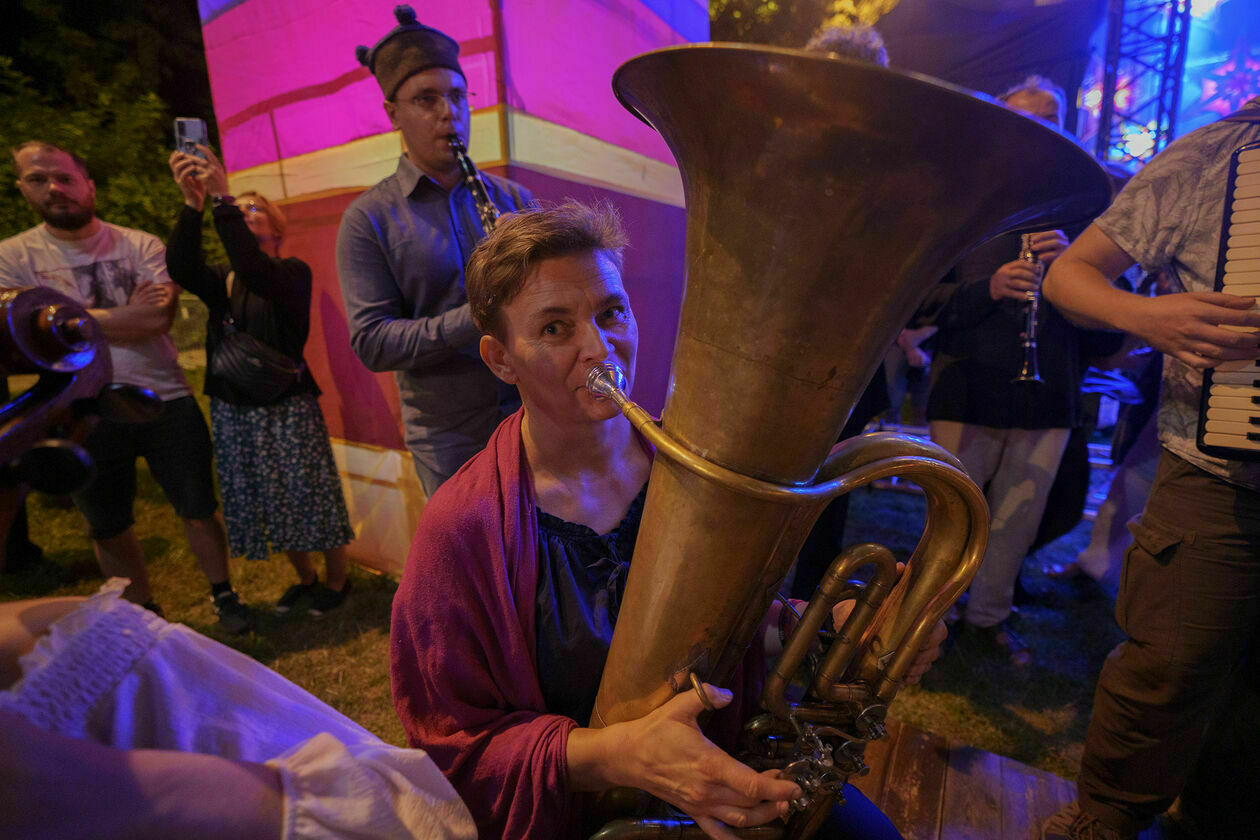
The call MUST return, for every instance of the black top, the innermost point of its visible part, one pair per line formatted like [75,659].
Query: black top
[979,351]
[271,298]
[581,579]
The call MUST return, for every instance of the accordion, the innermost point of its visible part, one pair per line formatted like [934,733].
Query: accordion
[1229,406]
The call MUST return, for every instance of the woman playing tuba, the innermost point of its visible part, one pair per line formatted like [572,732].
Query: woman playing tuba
[510,595]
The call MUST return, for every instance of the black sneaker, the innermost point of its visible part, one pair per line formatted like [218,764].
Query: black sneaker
[234,617]
[1071,824]
[295,594]
[329,599]
[1002,638]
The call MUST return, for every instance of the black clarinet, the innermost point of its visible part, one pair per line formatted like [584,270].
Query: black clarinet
[1032,301]
[472,179]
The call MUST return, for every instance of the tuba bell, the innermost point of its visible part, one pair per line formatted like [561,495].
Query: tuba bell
[824,198]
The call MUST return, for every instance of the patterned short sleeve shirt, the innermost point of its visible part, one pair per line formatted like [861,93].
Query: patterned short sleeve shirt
[1169,217]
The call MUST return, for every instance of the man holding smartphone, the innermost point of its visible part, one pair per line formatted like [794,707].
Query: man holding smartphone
[401,252]
[119,274]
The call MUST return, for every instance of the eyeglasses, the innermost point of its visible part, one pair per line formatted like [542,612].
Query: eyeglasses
[250,207]
[431,101]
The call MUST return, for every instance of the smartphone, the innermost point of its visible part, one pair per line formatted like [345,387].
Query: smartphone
[189,131]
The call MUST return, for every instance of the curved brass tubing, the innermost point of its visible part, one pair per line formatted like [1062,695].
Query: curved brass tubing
[831,591]
[947,556]
[844,458]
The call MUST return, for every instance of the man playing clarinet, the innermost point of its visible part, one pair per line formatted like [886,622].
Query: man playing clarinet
[401,252]
[1005,391]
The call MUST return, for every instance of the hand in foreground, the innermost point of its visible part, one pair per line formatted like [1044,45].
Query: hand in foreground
[213,173]
[1014,280]
[1048,244]
[929,653]
[665,754]
[910,340]
[187,171]
[151,294]
[917,357]
[1194,327]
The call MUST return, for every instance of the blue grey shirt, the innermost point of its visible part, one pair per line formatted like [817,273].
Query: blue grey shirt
[401,252]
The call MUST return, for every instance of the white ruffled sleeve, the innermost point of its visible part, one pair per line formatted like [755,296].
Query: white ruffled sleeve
[116,674]
[367,790]
[79,663]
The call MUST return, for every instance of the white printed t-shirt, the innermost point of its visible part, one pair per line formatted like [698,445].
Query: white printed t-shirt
[101,272]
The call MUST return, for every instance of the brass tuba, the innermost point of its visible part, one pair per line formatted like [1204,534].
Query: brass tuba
[824,198]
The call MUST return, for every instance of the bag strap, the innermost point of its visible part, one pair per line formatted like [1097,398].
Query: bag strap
[229,283]
[230,325]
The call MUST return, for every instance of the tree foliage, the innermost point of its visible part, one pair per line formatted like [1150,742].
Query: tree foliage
[90,81]
[120,134]
[788,23]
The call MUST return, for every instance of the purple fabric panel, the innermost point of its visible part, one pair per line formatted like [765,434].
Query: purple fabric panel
[273,55]
[560,61]
[211,9]
[689,18]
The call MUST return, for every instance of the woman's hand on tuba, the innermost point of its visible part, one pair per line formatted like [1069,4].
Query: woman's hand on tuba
[665,754]
[929,653]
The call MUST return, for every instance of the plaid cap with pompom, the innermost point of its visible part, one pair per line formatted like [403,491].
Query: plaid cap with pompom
[407,49]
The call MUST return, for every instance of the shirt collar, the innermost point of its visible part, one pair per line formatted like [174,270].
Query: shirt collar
[410,176]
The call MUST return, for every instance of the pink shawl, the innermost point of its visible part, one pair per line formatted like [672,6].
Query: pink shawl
[462,651]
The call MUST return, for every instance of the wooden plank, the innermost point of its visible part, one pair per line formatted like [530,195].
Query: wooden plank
[972,803]
[915,784]
[932,790]
[1030,797]
[876,756]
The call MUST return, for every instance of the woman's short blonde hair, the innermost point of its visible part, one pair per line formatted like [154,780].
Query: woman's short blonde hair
[274,214]
[498,267]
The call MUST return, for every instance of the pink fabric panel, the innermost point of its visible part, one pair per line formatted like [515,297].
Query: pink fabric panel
[360,406]
[560,57]
[322,122]
[480,72]
[252,140]
[264,50]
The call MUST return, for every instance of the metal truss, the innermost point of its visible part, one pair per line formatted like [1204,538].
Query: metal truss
[1145,59]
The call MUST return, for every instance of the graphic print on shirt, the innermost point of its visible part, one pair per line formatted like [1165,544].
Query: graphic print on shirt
[103,284]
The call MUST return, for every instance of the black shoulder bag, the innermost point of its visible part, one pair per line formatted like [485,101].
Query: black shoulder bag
[259,373]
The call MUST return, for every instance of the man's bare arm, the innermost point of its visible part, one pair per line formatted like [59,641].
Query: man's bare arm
[1191,326]
[149,312]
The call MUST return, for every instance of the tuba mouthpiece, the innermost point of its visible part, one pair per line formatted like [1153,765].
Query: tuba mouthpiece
[606,379]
